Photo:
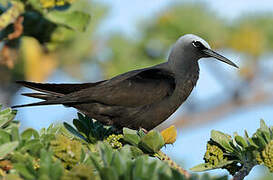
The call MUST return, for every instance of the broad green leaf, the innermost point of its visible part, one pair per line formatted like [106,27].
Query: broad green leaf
[136,151]
[56,170]
[106,153]
[223,139]
[118,163]
[6,116]
[76,20]
[45,163]
[28,133]
[32,146]
[4,136]
[131,136]
[108,173]
[7,148]
[152,142]
[23,171]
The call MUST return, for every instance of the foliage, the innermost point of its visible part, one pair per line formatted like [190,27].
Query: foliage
[37,35]
[54,153]
[238,153]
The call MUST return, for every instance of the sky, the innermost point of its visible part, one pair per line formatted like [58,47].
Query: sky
[191,143]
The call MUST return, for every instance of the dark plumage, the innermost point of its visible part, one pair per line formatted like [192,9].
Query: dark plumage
[140,98]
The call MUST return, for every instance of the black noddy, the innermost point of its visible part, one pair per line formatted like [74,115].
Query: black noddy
[141,98]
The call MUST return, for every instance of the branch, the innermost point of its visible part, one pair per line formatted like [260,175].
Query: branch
[240,175]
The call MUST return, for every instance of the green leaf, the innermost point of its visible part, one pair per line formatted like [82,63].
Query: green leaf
[141,133]
[118,163]
[251,142]
[32,146]
[241,141]
[263,126]
[28,133]
[131,136]
[259,133]
[45,162]
[108,173]
[6,116]
[15,134]
[266,136]
[4,137]
[76,20]
[223,139]
[206,166]
[7,148]
[81,127]
[106,153]
[74,131]
[152,142]
[136,151]
[56,170]
[23,170]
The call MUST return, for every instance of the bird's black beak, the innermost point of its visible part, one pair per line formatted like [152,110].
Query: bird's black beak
[211,53]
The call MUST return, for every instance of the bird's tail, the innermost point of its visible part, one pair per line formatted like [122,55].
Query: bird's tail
[50,92]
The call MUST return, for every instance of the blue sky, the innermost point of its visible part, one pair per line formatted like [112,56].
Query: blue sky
[191,143]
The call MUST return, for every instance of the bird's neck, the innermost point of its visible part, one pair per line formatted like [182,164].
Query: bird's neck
[186,72]
[183,64]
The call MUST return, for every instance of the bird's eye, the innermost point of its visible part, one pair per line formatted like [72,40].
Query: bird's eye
[198,45]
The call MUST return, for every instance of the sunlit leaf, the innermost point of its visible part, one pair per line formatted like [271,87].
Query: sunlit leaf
[7,148]
[169,134]
[152,142]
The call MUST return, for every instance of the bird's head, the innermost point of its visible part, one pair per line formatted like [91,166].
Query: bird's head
[191,48]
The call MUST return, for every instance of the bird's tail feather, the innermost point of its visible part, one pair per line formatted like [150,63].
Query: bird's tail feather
[35,104]
[52,93]
[57,89]
[39,95]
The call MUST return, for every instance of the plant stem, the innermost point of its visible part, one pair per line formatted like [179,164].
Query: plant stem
[163,157]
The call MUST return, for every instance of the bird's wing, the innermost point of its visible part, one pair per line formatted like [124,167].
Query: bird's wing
[146,87]
[132,89]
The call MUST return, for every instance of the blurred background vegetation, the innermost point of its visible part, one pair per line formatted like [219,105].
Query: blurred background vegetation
[39,38]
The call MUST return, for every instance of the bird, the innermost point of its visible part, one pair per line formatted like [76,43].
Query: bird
[142,98]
